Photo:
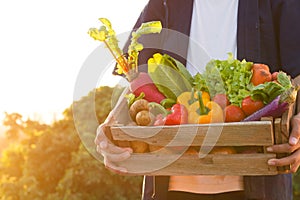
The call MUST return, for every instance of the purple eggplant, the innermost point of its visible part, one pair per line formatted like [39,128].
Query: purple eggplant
[276,107]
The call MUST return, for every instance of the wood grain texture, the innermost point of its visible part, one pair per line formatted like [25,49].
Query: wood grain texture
[224,134]
[230,164]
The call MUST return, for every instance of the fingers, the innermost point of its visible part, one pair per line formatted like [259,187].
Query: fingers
[293,160]
[112,167]
[112,154]
[110,151]
[295,133]
[100,134]
[116,157]
[283,148]
[292,147]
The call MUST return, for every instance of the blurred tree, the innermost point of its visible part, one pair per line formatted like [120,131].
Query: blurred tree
[13,122]
[57,161]
[12,161]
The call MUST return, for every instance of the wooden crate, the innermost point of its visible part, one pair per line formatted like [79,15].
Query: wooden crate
[171,159]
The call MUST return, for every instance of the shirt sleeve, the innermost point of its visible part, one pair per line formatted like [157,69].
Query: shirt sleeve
[287,17]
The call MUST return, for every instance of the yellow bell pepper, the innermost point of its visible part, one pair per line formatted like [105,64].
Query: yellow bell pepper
[189,98]
[204,111]
[193,116]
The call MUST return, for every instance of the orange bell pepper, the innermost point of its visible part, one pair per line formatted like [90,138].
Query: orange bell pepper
[215,114]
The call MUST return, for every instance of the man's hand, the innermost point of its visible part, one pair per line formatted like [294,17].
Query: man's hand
[111,153]
[292,147]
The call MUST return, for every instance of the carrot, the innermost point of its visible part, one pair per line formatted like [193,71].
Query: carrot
[260,74]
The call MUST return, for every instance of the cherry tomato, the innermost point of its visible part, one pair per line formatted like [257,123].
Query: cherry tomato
[234,113]
[274,76]
[249,105]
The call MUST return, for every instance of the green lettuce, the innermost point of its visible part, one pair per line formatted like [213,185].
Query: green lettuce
[233,78]
[230,77]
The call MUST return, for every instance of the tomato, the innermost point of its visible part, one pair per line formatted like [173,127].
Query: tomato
[249,105]
[222,100]
[260,76]
[260,66]
[274,76]
[234,113]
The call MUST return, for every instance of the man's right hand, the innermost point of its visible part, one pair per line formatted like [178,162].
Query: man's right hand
[110,152]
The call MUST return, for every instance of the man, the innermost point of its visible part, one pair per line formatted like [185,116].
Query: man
[264,31]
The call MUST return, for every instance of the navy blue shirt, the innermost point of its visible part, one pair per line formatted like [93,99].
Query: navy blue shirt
[268,32]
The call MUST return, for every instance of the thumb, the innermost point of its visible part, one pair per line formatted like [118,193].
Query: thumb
[295,133]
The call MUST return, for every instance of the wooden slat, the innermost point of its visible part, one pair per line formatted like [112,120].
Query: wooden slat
[258,133]
[218,164]
[286,121]
[284,132]
[277,131]
[278,140]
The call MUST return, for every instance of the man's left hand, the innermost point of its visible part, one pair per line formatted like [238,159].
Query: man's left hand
[292,147]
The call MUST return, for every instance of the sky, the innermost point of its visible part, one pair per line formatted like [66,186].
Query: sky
[43,46]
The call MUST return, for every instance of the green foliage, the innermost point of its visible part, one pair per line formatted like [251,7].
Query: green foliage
[12,121]
[51,161]
[230,77]
[12,161]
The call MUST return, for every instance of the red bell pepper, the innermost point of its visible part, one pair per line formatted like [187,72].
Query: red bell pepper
[178,115]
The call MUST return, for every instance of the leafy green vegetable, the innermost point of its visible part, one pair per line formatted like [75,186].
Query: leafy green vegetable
[106,34]
[168,103]
[135,47]
[182,69]
[131,98]
[169,75]
[284,80]
[233,78]
[200,82]
[267,91]
[158,109]
[270,90]
[230,77]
